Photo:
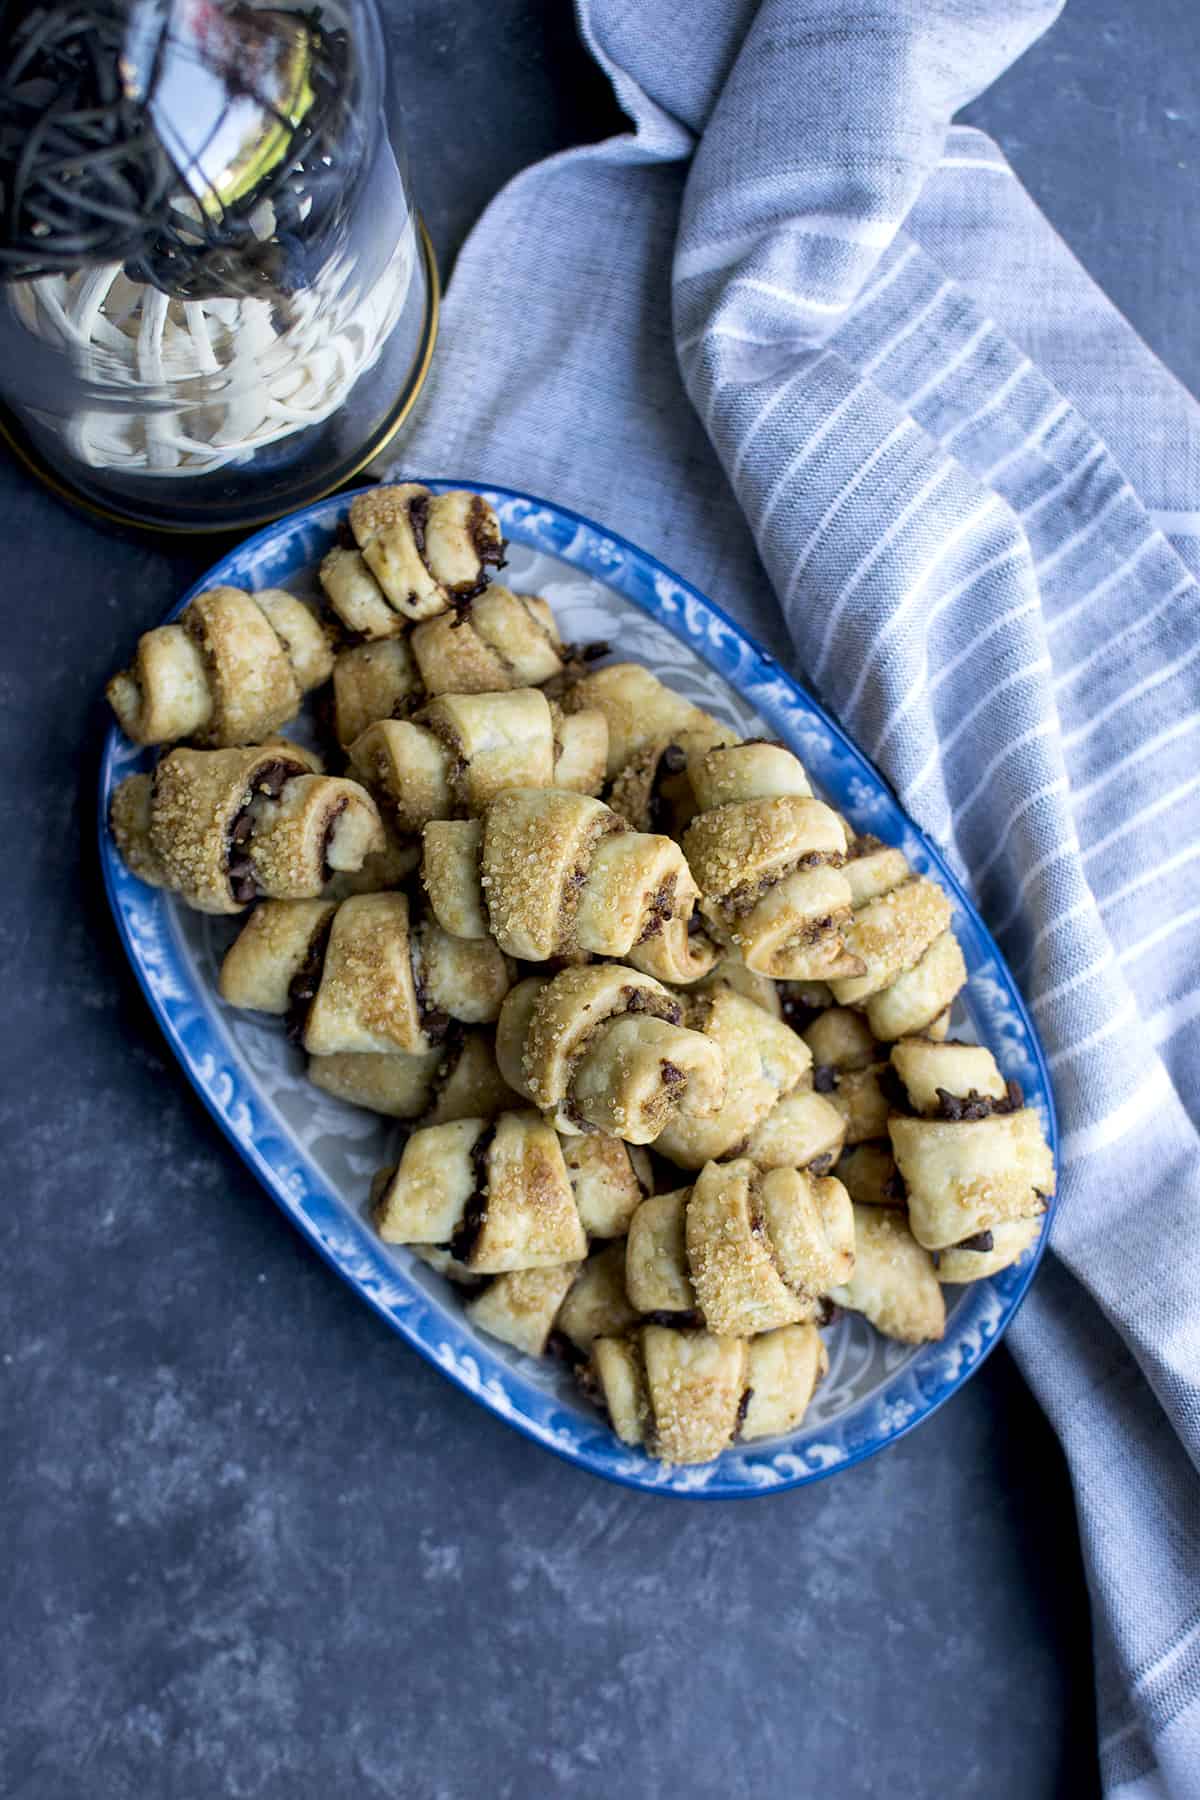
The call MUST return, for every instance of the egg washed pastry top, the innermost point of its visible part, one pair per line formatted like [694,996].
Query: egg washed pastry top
[551,872]
[221,827]
[231,669]
[412,554]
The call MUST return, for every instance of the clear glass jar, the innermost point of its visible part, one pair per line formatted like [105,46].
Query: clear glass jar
[276,315]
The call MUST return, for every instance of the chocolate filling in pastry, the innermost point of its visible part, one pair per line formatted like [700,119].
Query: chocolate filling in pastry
[475,1211]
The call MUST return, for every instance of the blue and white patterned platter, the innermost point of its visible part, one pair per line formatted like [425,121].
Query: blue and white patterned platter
[316,1155]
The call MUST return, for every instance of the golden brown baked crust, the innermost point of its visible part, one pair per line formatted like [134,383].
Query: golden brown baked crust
[373,681]
[975,1157]
[764,1060]
[894,1281]
[362,976]
[783,1369]
[457,1080]
[898,916]
[999,1247]
[230,670]
[768,858]
[656,1266]
[600,1048]
[687,1395]
[520,1307]
[801,1131]
[640,710]
[222,826]
[462,750]
[763,1248]
[506,641]
[609,1179]
[967,1176]
[426,552]
[551,873]
[129,817]
[496,1195]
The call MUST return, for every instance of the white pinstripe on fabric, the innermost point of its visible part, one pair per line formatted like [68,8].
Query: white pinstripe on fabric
[896,361]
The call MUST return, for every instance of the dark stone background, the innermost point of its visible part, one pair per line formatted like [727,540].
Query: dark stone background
[251,1545]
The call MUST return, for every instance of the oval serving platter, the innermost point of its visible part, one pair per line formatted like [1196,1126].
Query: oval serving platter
[316,1155]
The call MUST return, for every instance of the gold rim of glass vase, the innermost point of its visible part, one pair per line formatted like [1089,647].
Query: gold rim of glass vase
[12,436]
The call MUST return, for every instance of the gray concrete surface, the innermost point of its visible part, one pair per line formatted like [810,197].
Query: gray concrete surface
[251,1545]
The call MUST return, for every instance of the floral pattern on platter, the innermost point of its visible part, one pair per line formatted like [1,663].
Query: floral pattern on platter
[315,1155]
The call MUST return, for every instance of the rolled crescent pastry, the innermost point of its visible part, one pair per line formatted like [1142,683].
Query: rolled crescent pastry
[506,641]
[601,1048]
[609,1179]
[361,976]
[974,1157]
[231,669]
[221,827]
[995,1249]
[551,873]
[497,1195]
[894,1282]
[911,966]
[763,1059]
[462,750]
[520,1307]
[763,1248]
[418,554]
[686,1395]
[768,858]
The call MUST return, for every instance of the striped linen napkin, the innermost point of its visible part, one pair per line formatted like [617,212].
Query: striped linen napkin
[816,348]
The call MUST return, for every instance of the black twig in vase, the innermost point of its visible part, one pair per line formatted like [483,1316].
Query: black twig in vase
[96,165]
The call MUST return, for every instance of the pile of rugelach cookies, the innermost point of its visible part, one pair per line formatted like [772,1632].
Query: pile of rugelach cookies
[669,1042]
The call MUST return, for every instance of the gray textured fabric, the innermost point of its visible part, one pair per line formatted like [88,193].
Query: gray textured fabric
[817,349]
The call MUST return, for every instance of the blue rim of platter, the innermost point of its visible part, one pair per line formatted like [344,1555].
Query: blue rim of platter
[190,1023]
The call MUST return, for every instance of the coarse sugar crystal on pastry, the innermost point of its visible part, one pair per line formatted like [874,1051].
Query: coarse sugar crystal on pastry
[363,975]
[764,1060]
[221,827]
[496,1195]
[602,1048]
[763,1248]
[894,1282]
[230,670]
[971,1154]
[413,554]
[742,1251]
[549,872]
[912,968]
[460,751]
[507,640]
[686,1395]
[768,857]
